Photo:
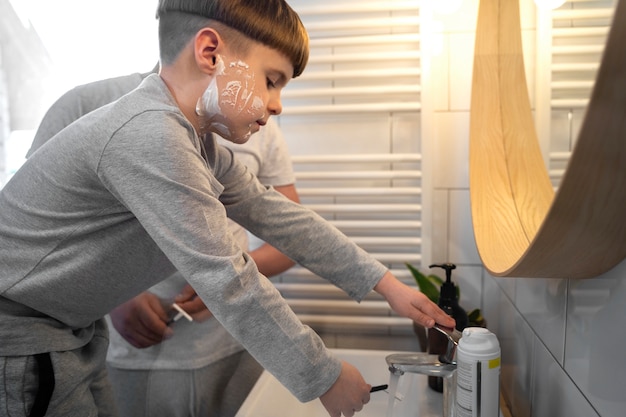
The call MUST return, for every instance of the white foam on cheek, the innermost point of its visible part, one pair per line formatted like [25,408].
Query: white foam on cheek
[256,106]
[230,93]
[239,90]
[208,105]
[237,96]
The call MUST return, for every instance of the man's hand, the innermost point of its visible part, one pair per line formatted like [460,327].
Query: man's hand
[142,321]
[193,305]
[348,394]
[409,302]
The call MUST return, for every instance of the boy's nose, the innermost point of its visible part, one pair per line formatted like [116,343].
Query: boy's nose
[274,106]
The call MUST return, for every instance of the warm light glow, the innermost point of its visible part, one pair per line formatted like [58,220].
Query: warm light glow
[88,41]
[549,4]
[446,6]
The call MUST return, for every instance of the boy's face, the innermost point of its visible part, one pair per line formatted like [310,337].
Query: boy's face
[244,92]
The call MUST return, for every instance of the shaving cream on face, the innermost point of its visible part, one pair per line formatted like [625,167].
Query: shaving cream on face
[229,100]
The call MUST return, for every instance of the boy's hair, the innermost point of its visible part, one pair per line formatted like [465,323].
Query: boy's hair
[270,22]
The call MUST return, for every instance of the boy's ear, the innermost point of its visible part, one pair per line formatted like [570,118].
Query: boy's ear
[207,43]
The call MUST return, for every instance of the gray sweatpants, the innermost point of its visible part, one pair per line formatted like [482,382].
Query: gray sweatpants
[81,387]
[216,390]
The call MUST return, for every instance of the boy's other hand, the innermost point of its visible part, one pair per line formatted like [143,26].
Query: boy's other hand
[348,394]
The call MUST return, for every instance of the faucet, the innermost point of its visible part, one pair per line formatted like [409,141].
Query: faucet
[443,365]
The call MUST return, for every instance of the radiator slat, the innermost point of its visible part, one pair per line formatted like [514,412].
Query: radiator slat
[357,175]
[365,191]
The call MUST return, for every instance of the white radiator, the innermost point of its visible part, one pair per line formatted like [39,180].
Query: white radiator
[357,193]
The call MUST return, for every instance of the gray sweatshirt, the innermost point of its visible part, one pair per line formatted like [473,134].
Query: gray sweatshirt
[128,194]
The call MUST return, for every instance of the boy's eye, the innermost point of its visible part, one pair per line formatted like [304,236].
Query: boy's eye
[271,84]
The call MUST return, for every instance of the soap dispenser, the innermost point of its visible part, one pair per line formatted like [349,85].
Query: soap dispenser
[448,302]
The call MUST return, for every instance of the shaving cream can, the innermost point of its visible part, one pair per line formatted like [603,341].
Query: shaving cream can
[478,374]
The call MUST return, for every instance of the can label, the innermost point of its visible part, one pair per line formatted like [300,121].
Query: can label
[477,382]
[464,389]
[478,374]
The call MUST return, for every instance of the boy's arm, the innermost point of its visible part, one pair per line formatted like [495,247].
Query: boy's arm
[268,259]
[350,392]
[174,196]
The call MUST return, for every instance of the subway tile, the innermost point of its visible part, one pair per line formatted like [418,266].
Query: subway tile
[516,342]
[594,351]
[439,240]
[461,64]
[451,150]
[542,302]
[507,285]
[553,392]
[517,356]
[492,302]
[470,282]
[440,74]
[461,247]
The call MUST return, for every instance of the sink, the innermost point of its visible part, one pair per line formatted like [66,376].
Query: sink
[269,398]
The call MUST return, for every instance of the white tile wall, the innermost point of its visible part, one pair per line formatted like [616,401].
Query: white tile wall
[451,150]
[554,394]
[461,249]
[543,304]
[594,352]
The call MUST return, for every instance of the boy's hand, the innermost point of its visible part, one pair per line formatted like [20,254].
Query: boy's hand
[348,394]
[409,302]
[142,320]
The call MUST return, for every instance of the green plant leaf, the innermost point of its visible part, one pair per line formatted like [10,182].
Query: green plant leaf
[426,285]
[435,280]
[475,317]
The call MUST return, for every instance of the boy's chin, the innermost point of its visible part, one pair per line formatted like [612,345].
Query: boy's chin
[241,139]
[227,134]
[242,136]
[237,137]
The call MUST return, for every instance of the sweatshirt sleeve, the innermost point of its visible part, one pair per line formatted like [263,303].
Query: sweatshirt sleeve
[177,198]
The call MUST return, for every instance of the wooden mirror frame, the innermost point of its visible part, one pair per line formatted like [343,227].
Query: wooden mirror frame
[522,228]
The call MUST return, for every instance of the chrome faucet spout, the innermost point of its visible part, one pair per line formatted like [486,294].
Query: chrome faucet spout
[453,336]
[443,365]
[418,363]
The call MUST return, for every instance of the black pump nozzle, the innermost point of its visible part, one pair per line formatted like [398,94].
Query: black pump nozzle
[448,289]
[448,267]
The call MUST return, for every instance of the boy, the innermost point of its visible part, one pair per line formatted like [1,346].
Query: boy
[199,369]
[129,193]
